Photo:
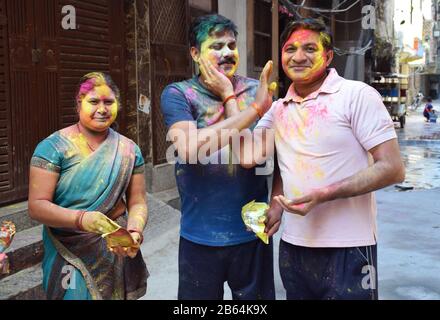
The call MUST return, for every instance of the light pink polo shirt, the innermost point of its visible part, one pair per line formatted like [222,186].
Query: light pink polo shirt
[321,140]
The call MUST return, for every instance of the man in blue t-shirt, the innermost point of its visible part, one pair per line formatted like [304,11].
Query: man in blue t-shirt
[214,244]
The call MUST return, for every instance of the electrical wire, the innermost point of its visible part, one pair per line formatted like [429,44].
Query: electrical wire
[333,10]
[340,52]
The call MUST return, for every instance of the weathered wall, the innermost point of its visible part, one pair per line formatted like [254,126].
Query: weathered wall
[385,19]
[138,73]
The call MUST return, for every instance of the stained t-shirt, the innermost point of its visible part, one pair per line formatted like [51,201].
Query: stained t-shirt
[212,195]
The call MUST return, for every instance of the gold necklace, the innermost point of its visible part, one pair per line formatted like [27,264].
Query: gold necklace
[87,141]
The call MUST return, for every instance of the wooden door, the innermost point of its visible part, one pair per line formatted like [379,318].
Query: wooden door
[40,66]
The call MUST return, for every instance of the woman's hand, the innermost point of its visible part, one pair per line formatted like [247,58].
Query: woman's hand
[96,222]
[214,80]
[128,251]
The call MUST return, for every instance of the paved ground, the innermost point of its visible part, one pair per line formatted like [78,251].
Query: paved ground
[408,228]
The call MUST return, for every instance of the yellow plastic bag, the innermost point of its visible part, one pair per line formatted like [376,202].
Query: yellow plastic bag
[120,238]
[254,217]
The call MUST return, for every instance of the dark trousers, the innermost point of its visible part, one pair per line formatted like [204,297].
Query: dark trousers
[328,273]
[426,115]
[247,268]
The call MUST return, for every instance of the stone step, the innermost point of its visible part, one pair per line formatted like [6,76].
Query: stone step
[24,285]
[18,214]
[26,250]
[170,197]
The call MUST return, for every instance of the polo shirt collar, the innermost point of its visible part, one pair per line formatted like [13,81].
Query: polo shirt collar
[331,84]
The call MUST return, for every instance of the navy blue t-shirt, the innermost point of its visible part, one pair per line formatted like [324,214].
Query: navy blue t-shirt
[212,195]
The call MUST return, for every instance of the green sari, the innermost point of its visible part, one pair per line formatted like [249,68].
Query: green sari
[76,264]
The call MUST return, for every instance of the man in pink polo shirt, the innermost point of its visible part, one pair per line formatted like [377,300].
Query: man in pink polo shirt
[335,145]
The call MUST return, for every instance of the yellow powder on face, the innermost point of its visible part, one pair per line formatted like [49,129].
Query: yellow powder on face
[319,62]
[320,58]
[215,56]
[88,109]
[103,92]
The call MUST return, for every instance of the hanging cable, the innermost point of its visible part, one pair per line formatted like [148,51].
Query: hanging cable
[333,10]
[340,52]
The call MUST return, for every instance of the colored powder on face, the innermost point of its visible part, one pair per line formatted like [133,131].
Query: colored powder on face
[325,39]
[96,79]
[301,37]
[88,109]
[215,56]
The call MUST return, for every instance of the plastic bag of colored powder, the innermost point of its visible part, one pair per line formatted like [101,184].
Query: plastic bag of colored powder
[254,217]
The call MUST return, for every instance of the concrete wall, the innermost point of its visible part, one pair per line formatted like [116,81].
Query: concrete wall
[385,19]
[236,11]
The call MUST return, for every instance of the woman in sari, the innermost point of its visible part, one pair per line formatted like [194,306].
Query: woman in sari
[83,180]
